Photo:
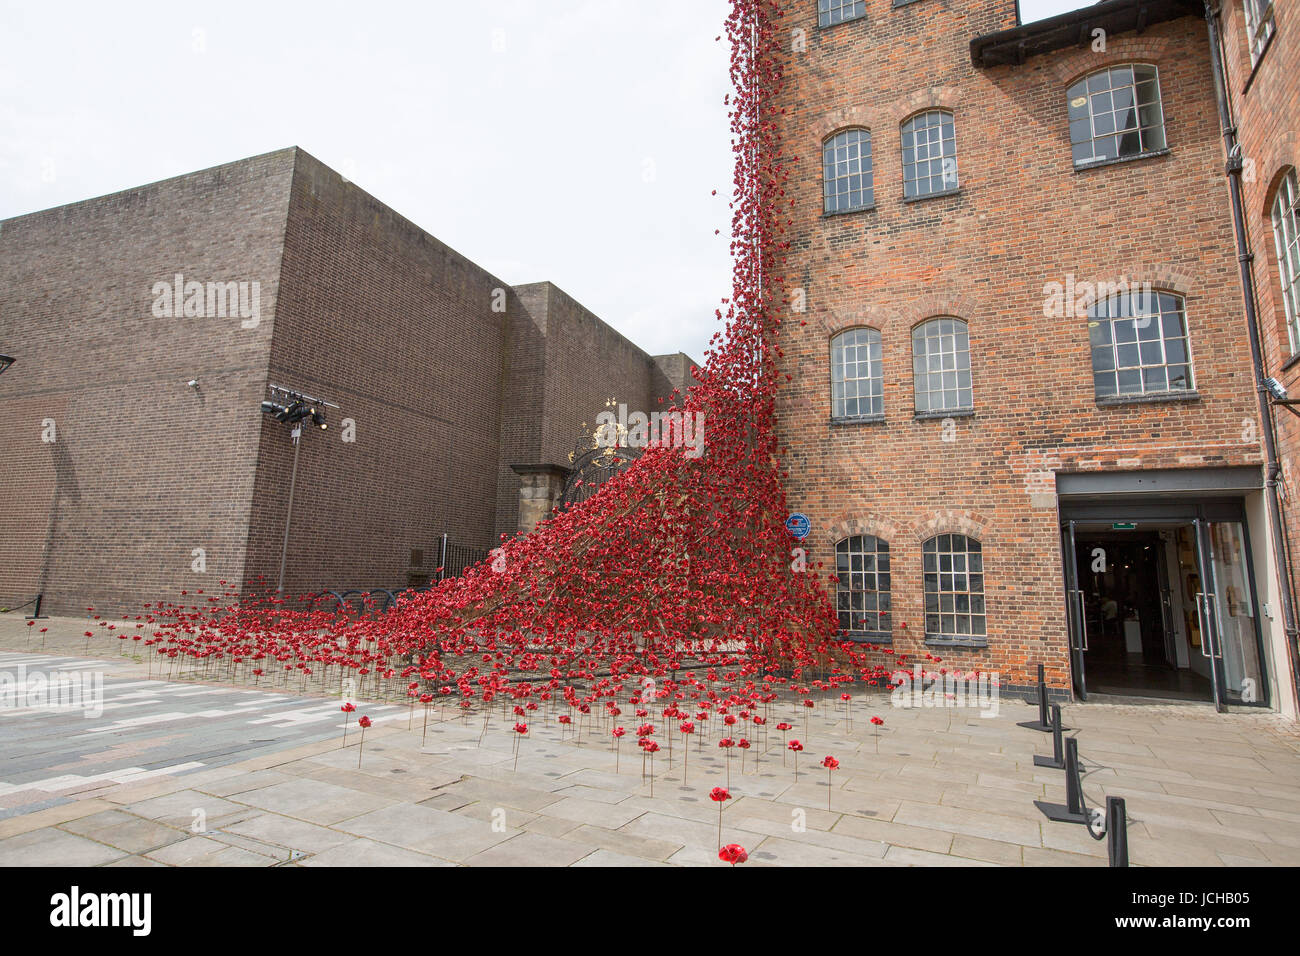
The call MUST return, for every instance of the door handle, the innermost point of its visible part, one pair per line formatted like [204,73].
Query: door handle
[1212,607]
[1203,612]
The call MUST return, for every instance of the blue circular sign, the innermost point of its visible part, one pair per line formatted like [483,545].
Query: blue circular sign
[798,525]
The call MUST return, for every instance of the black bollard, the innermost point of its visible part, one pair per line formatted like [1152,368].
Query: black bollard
[1116,831]
[1041,723]
[1073,811]
[36,614]
[1057,760]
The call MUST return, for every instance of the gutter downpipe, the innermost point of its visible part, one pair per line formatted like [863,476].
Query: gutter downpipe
[1233,169]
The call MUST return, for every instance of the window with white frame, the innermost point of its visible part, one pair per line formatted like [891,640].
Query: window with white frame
[847,179]
[953,569]
[831,12]
[941,365]
[1139,344]
[1116,113]
[1259,26]
[862,585]
[1286,238]
[929,154]
[857,381]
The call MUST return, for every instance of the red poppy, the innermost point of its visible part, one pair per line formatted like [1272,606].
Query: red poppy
[718,794]
[830,763]
[733,853]
[363,720]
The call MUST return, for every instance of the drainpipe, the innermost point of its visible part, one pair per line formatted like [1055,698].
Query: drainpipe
[1273,469]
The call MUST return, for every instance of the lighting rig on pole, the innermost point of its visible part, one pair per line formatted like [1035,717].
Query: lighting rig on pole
[292,408]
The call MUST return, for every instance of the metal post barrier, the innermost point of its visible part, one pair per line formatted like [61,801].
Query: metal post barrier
[36,614]
[1057,760]
[1041,723]
[1116,831]
[1073,811]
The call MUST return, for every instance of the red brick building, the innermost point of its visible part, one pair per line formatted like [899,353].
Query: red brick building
[135,460]
[1024,419]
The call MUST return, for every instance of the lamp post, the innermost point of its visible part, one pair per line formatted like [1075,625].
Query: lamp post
[292,408]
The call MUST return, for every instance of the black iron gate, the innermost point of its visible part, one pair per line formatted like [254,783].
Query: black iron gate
[595,460]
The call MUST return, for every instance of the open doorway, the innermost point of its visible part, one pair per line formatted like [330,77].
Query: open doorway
[1139,588]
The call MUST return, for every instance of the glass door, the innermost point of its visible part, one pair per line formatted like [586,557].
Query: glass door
[1228,607]
[1076,615]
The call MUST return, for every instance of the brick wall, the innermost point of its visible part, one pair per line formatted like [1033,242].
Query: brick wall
[1022,218]
[565,363]
[1265,101]
[398,329]
[145,468]
[444,373]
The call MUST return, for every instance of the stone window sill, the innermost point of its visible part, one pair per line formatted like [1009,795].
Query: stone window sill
[946,413]
[1100,163]
[1151,398]
[866,637]
[832,26]
[860,420]
[939,195]
[1254,67]
[932,640]
[836,213]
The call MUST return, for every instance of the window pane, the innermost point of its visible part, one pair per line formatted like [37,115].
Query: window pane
[954,603]
[1116,112]
[941,365]
[929,154]
[831,12]
[862,599]
[847,178]
[856,365]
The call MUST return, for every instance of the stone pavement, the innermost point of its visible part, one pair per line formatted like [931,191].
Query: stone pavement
[936,787]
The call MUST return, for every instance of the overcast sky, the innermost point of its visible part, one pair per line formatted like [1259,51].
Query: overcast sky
[572,140]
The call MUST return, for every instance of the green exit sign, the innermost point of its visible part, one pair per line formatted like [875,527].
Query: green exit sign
[1123,526]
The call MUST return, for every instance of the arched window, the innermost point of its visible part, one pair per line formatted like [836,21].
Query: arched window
[857,382]
[1139,344]
[831,12]
[1259,26]
[953,567]
[929,154]
[1115,113]
[862,585]
[1286,237]
[847,181]
[941,365]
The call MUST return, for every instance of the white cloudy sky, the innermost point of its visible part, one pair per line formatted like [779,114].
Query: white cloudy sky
[571,140]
